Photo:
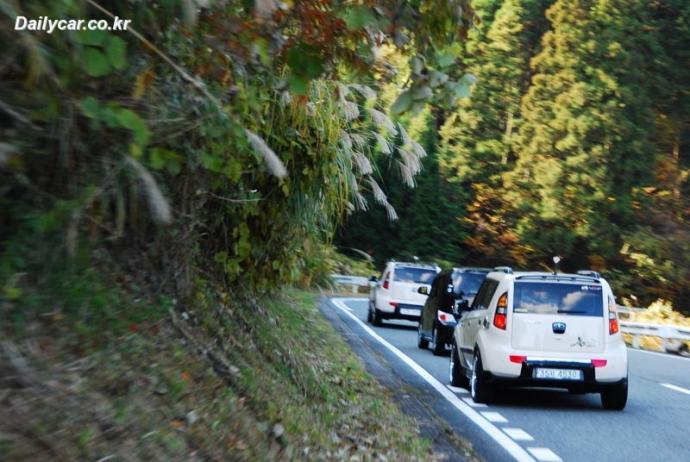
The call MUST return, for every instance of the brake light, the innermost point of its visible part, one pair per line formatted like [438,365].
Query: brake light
[599,362]
[393,304]
[385,284]
[442,316]
[517,359]
[501,315]
[613,326]
[613,319]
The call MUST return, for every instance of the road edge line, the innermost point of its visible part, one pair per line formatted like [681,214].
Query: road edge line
[490,429]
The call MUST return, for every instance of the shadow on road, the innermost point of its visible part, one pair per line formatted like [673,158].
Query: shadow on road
[399,326]
[546,398]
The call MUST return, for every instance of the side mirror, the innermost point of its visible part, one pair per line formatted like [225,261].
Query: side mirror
[424,290]
[461,306]
[373,279]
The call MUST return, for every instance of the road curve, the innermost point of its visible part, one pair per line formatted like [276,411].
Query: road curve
[543,425]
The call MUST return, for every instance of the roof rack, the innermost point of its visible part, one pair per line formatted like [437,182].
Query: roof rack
[415,263]
[559,276]
[589,273]
[504,269]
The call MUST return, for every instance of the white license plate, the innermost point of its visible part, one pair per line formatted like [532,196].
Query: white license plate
[409,311]
[557,374]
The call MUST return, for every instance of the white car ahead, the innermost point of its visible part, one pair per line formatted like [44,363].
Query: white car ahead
[541,330]
[396,295]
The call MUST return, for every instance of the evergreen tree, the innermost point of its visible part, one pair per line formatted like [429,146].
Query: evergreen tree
[426,213]
[478,138]
[585,142]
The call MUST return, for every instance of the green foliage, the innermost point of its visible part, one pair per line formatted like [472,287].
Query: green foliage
[424,227]
[574,142]
[584,142]
[249,131]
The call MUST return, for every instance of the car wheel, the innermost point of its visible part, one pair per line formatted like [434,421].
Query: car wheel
[370,318]
[377,318]
[480,390]
[439,347]
[615,398]
[456,371]
[684,350]
[421,341]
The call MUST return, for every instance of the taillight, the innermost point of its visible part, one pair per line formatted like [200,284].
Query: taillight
[385,284]
[501,315]
[444,317]
[613,319]
[599,362]
[517,359]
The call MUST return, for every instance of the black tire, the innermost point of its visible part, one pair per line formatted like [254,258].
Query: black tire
[615,398]
[377,319]
[439,349]
[684,350]
[370,318]
[421,341]
[456,371]
[480,390]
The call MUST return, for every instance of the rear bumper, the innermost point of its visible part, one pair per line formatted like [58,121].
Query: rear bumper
[589,384]
[496,360]
[401,310]
[445,332]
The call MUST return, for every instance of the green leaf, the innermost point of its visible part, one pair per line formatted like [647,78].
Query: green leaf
[437,78]
[92,37]
[403,103]
[306,64]
[109,115]
[262,50]
[358,17]
[95,63]
[117,52]
[160,158]
[445,59]
[305,60]
[243,245]
[131,120]
[422,93]
[91,107]
[463,88]
[298,84]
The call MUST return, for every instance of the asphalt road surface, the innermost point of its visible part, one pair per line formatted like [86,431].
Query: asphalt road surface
[540,425]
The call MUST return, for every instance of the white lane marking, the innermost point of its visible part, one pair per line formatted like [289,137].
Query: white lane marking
[459,390]
[490,429]
[494,417]
[676,388]
[545,455]
[665,355]
[518,434]
[471,403]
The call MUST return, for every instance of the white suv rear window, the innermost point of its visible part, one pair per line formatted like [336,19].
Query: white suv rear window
[414,275]
[558,298]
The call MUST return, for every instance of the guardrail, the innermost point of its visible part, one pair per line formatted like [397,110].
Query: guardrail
[354,281]
[673,337]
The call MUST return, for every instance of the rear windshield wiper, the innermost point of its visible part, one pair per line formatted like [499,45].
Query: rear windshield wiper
[572,312]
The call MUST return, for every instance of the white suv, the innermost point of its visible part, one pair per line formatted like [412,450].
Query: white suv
[396,295]
[541,330]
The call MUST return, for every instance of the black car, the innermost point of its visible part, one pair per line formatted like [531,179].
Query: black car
[451,291]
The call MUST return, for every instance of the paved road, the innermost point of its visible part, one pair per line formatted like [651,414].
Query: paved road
[544,425]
